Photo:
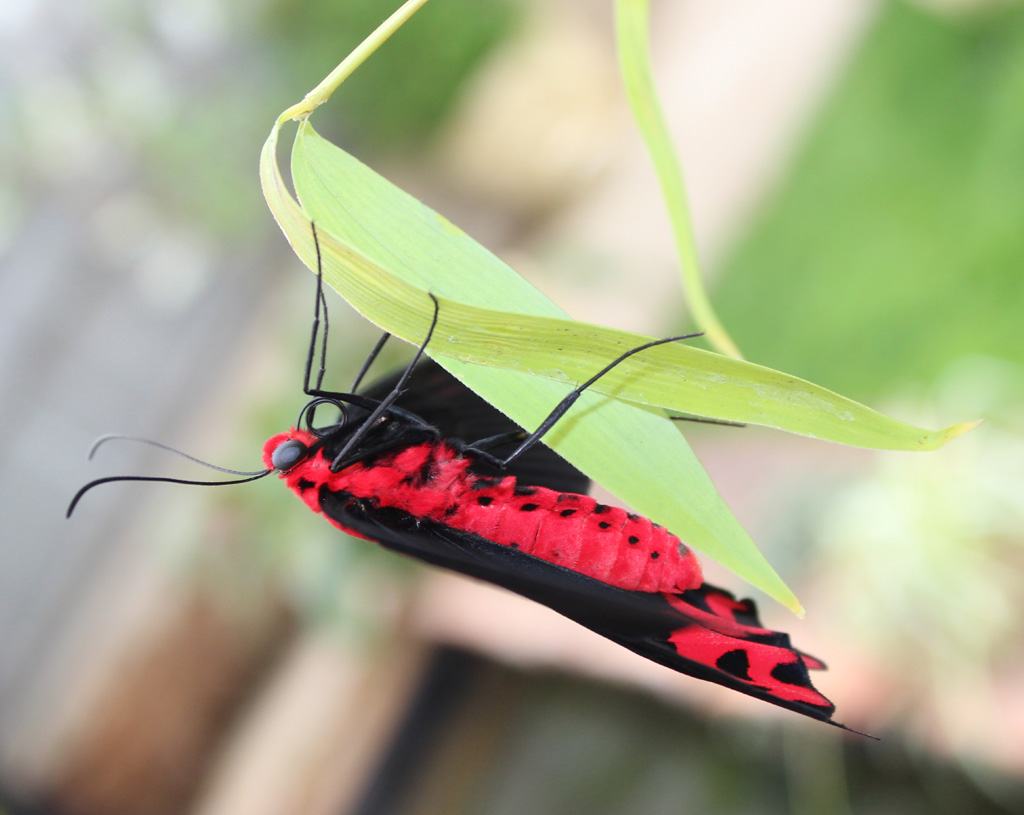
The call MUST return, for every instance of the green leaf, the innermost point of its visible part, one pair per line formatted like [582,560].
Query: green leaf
[422,251]
[383,250]
[632,24]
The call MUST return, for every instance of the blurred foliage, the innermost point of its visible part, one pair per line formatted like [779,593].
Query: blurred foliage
[399,96]
[887,266]
[174,101]
[943,614]
[896,243]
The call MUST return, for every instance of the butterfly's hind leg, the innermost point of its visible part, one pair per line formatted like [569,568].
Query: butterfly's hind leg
[480,448]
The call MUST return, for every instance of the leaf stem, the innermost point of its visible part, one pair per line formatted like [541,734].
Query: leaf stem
[632,26]
[322,92]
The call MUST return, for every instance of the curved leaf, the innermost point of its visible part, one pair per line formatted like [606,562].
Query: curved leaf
[383,250]
[428,253]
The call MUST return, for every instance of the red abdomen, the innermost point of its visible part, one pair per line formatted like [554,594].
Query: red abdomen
[433,482]
[600,541]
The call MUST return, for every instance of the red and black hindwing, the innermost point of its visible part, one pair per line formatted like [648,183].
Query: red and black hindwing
[704,632]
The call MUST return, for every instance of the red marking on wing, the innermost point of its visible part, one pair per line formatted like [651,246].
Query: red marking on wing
[813,663]
[725,615]
[721,639]
[759,665]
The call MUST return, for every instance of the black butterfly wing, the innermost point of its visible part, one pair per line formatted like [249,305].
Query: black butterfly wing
[441,400]
[704,632]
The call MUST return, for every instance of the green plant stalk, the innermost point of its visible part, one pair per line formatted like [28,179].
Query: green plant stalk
[632,23]
[322,92]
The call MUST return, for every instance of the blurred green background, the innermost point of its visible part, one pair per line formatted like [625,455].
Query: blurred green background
[173,650]
[894,245]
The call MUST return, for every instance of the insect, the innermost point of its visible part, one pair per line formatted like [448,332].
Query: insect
[410,464]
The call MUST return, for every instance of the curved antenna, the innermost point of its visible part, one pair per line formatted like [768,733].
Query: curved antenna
[111,436]
[108,479]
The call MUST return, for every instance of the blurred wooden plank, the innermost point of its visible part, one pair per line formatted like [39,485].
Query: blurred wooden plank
[147,742]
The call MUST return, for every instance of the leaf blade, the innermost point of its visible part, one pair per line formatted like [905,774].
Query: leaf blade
[372,236]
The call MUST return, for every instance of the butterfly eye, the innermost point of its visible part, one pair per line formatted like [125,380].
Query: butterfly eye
[288,454]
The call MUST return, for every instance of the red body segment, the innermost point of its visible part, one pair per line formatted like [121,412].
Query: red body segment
[432,481]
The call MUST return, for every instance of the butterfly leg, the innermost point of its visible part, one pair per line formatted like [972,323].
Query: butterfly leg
[389,400]
[370,360]
[562,407]
[320,303]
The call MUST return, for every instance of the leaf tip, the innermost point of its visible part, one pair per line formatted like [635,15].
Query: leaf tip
[785,596]
[953,431]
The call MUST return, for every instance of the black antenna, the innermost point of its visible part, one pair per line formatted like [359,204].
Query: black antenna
[249,476]
[117,436]
[98,481]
